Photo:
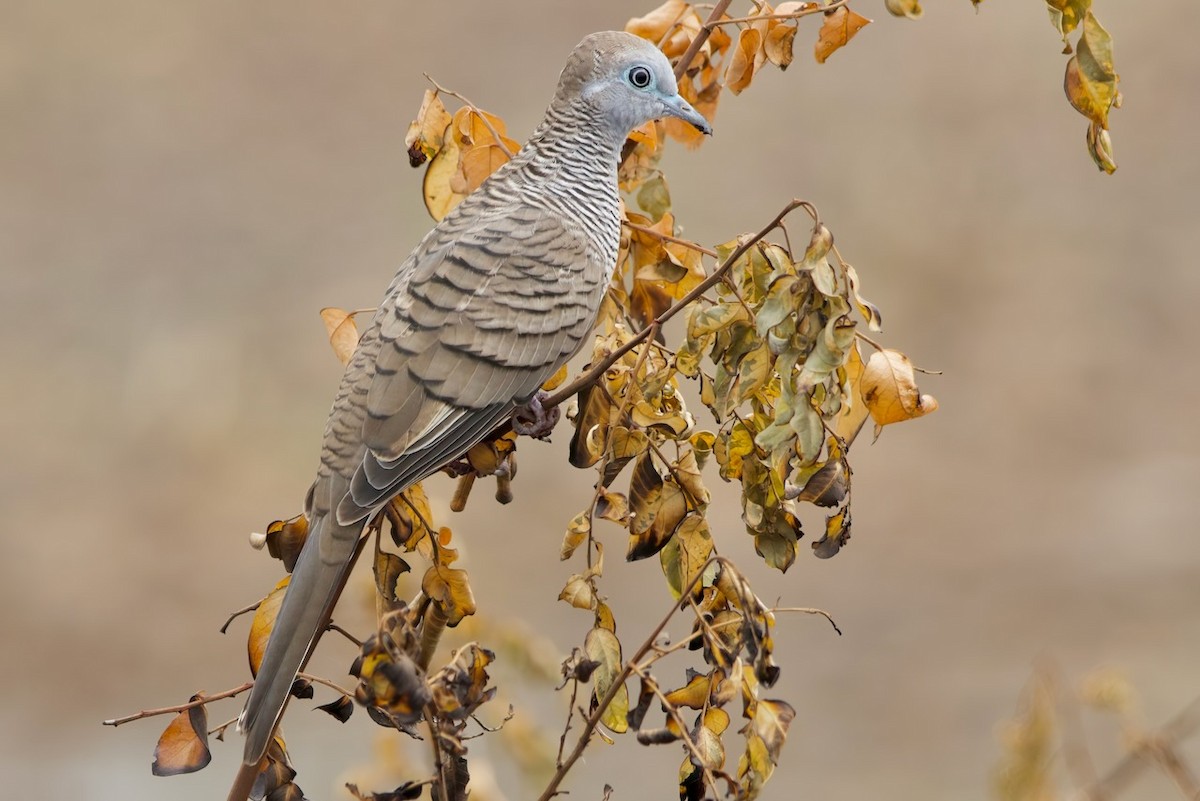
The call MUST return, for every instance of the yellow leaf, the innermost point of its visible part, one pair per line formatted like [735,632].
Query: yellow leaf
[579,592]
[741,64]
[839,28]
[854,412]
[889,389]
[577,531]
[480,162]
[675,17]
[602,646]
[555,380]
[440,196]
[904,8]
[1091,82]
[343,334]
[183,745]
[448,588]
[263,622]
[613,506]
[424,137]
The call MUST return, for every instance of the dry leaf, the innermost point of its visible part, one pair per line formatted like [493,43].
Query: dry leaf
[263,623]
[889,389]
[343,333]
[741,64]
[839,28]
[183,746]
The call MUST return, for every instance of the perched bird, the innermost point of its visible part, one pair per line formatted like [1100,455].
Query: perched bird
[498,296]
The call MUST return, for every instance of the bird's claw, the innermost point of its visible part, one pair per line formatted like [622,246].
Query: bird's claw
[532,419]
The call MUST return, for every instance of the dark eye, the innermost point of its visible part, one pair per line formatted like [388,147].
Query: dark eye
[640,77]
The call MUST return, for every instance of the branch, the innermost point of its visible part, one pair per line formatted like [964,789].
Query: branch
[706,30]
[168,710]
[599,369]
[630,667]
[476,110]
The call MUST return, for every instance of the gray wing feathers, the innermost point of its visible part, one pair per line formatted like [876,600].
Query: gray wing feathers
[481,317]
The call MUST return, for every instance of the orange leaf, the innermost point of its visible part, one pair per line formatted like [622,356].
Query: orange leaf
[890,392]
[343,333]
[741,64]
[838,30]
[264,622]
[183,746]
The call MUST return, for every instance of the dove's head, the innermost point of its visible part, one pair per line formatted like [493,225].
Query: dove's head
[626,80]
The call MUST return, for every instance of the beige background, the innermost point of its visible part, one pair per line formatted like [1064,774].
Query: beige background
[183,185]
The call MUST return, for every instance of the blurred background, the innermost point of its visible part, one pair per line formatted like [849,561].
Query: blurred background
[183,185]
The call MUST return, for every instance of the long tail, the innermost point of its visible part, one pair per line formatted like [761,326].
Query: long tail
[317,581]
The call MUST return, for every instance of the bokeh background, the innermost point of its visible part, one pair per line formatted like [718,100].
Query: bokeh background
[183,185]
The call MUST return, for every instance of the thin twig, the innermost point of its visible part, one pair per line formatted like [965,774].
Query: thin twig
[168,710]
[326,683]
[809,610]
[627,670]
[714,19]
[792,15]
[687,243]
[235,615]
[495,134]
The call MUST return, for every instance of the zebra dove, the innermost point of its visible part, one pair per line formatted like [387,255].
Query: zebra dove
[498,296]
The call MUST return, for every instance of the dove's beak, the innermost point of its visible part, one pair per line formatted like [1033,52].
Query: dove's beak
[676,106]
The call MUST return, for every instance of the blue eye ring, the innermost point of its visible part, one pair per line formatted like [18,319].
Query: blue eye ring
[639,77]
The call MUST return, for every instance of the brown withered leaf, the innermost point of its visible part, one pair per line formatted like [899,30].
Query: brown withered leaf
[480,162]
[686,554]
[448,588]
[827,486]
[343,333]
[778,45]
[391,681]
[263,622]
[889,389]
[839,28]
[647,301]
[285,539]
[625,445]
[613,506]
[740,71]
[591,427]
[388,569]
[424,137]
[667,18]
[183,745]
[411,516]
[602,646]
[1091,81]
[837,532]
[340,708]
[577,532]
[645,499]
[645,696]
[460,688]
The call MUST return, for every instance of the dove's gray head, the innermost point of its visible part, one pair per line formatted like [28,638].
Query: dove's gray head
[626,81]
